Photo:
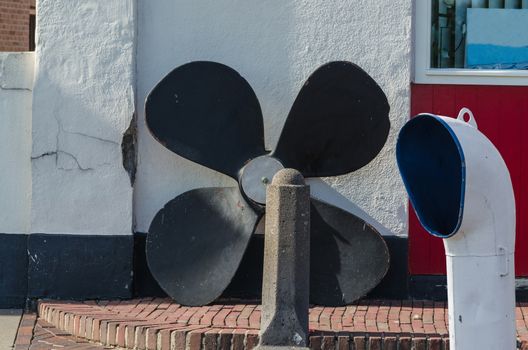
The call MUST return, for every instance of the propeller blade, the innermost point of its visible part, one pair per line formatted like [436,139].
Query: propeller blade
[196,242]
[348,257]
[338,123]
[206,112]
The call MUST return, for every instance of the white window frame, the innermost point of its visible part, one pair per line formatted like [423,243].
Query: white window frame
[424,74]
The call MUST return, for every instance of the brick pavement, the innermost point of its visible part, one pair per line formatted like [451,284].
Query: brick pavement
[161,324]
[25,331]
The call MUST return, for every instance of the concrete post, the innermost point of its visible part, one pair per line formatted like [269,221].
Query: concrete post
[285,290]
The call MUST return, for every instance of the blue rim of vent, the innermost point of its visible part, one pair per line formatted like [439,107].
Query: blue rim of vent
[425,216]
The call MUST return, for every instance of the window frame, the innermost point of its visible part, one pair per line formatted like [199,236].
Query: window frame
[424,74]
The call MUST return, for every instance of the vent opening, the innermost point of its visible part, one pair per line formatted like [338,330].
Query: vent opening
[432,166]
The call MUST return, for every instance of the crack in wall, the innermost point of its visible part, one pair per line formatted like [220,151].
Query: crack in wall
[56,153]
[44,155]
[128,149]
[61,129]
[88,136]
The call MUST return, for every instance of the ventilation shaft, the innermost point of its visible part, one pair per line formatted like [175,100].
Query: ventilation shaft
[461,191]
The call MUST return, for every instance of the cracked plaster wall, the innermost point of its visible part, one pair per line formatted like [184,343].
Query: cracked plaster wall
[84,97]
[16,82]
[83,102]
[275,45]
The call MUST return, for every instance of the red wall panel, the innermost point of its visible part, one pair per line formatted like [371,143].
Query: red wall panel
[502,115]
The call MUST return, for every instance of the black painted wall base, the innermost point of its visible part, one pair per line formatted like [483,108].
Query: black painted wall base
[428,287]
[247,283]
[395,285]
[434,287]
[64,267]
[13,270]
[521,292]
[80,266]
[106,267]
[144,283]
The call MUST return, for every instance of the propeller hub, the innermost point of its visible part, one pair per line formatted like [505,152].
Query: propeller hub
[257,175]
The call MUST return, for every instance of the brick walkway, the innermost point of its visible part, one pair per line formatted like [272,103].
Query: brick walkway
[161,324]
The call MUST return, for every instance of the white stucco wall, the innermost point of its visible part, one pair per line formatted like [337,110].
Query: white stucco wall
[275,45]
[16,82]
[82,104]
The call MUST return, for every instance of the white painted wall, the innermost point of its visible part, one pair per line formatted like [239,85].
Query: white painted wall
[276,45]
[16,82]
[82,104]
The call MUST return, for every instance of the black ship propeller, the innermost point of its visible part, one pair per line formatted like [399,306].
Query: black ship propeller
[206,112]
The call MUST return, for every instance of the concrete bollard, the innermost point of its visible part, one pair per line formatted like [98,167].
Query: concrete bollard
[285,288]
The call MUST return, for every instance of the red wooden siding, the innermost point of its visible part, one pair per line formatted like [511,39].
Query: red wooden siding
[502,115]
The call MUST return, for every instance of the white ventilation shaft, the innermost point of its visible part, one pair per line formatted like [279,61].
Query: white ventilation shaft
[461,191]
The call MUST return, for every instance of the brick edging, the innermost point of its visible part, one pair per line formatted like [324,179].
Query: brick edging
[159,324]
